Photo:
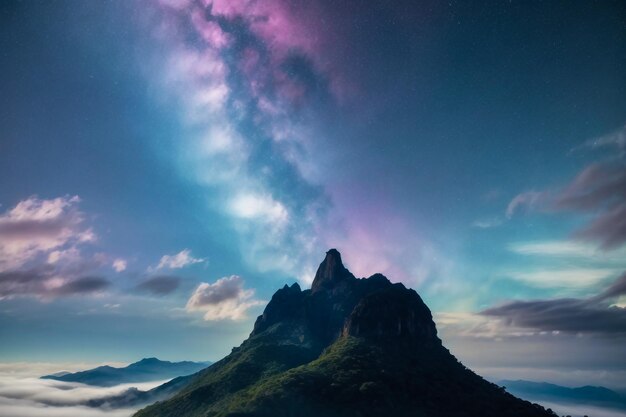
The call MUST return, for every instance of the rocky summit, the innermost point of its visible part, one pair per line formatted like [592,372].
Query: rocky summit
[347,347]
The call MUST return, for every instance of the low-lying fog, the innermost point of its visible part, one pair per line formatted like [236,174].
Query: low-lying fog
[23,394]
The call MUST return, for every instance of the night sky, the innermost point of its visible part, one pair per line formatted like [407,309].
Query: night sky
[166,166]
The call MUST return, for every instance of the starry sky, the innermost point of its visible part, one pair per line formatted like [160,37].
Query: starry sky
[165,166]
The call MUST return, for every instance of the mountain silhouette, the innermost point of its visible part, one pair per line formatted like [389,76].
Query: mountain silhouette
[347,347]
[145,370]
[587,395]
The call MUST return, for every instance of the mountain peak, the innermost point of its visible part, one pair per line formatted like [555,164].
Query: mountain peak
[147,362]
[150,360]
[330,272]
[346,347]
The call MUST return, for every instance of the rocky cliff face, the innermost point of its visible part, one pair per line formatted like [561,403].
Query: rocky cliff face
[394,314]
[347,347]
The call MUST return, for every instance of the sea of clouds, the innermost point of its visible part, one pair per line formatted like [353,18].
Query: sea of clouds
[575,410]
[23,394]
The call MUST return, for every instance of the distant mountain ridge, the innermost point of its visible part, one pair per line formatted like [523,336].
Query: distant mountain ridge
[347,347]
[145,370]
[588,395]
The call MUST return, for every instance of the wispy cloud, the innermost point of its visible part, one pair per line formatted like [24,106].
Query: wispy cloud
[567,266]
[598,191]
[179,260]
[224,299]
[617,289]
[554,248]
[487,223]
[467,324]
[575,251]
[250,206]
[526,201]
[615,140]
[563,278]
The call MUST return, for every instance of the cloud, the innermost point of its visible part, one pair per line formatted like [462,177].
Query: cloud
[554,248]
[617,289]
[83,285]
[615,140]
[159,285]
[487,223]
[23,394]
[600,189]
[46,282]
[119,265]
[250,206]
[572,409]
[562,315]
[563,278]
[527,201]
[466,324]
[567,249]
[572,265]
[608,228]
[179,260]
[224,299]
[596,186]
[574,315]
[40,250]
[67,256]
[553,320]
[35,227]
[32,281]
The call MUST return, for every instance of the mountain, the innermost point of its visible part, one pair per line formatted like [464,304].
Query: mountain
[149,369]
[347,347]
[587,395]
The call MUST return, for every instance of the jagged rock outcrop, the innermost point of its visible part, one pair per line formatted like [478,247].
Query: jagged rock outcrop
[347,347]
[321,311]
[331,272]
[285,303]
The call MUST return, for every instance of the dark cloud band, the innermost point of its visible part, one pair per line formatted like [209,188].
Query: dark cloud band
[589,315]
[159,285]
